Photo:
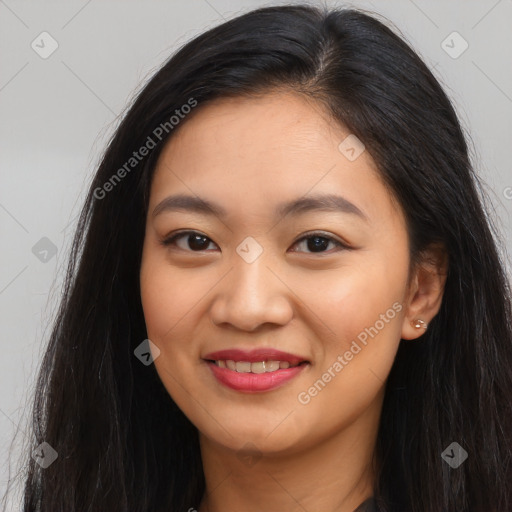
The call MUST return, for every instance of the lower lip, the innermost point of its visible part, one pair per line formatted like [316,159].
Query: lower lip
[254,382]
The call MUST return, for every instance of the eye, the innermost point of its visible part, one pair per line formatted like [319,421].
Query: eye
[194,240]
[316,242]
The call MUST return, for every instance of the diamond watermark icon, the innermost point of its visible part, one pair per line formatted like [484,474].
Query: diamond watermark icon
[249,454]
[249,249]
[44,250]
[44,455]
[351,147]
[44,45]
[147,352]
[454,45]
[454,455]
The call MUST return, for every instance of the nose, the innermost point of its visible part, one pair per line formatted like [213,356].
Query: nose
[252,295]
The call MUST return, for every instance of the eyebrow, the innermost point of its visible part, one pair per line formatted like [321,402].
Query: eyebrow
[319,202]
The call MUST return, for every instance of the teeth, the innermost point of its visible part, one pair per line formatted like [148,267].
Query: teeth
[256,367]
[243,367]
[259,367]
[272,366]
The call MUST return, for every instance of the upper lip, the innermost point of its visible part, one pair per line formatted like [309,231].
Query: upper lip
[255,355]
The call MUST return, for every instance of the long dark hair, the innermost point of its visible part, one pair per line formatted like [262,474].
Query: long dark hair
[122,443]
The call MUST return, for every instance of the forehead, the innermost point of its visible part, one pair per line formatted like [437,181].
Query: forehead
[261,149]
[270,125]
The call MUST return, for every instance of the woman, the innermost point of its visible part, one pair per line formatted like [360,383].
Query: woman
[284,293]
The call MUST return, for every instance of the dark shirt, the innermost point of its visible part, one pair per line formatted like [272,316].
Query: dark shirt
[367,506]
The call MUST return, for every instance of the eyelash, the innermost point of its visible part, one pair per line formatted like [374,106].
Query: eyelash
[170,241]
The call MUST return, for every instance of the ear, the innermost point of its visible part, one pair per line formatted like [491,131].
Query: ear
[425,291]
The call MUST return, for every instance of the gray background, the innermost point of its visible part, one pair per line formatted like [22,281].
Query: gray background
[57,114]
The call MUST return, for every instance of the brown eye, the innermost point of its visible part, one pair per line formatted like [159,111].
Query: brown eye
[193,241]
[318,242]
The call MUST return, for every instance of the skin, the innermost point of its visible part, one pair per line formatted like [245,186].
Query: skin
[248,155]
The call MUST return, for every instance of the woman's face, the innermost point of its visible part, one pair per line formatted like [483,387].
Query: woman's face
[327,284]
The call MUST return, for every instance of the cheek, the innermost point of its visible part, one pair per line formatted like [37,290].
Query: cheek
[168,304]
[172,301]
[168,296]
[352,365]
[352,298]
[159,307]
[361,305]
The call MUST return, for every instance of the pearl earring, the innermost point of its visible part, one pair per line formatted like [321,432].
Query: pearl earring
[419,324]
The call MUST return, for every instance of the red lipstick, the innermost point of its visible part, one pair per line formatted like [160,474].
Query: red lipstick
[250,382]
